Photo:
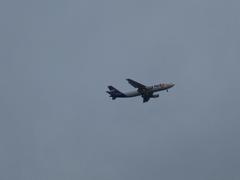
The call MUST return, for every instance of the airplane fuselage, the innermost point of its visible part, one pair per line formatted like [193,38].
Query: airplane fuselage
[150,90]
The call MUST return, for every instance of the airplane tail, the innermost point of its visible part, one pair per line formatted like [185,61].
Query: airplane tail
[114,93]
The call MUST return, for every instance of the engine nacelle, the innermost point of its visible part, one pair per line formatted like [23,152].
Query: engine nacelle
[155,95]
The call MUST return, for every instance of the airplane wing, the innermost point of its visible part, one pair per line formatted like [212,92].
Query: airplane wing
[136,84]
[141,89]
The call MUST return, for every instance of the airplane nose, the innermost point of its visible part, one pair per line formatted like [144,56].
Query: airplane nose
[172,84]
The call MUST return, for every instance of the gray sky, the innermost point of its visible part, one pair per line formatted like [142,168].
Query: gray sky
[57,122]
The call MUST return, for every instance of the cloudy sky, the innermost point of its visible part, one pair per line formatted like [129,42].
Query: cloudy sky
[57,58]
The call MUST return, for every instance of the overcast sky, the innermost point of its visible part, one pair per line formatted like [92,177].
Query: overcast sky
[57,58]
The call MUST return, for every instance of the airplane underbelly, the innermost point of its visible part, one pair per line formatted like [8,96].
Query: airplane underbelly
[159,89]
[132,94]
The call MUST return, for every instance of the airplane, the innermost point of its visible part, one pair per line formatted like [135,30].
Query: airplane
[145,91]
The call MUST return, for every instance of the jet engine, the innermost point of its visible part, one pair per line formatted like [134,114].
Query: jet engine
[155,95]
